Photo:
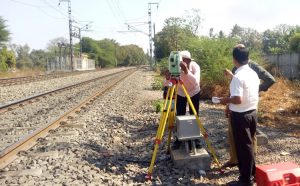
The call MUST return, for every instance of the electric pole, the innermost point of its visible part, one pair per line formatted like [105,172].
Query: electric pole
[70,32]
[116,54]
[150,27]
[78,35]
[60,46]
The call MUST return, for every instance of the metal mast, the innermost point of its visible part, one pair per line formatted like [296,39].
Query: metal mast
[150,28]
[70,32]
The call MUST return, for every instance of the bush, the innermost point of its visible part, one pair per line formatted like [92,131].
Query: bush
[213,55]
[3,66]
[158,105]
[158,83]
[162,65]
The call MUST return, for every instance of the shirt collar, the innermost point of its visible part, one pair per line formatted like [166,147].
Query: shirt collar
[241,67]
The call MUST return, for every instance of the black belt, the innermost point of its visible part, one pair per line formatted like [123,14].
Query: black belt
[242,113]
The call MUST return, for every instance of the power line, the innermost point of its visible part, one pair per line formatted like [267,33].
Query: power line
[40,8]
[74,19]
[26,4]
[112,10]
[74,16]
[135,19]
[157,11]
[51,6]
[119,10]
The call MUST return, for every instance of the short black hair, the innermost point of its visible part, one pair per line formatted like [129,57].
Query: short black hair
[241,55]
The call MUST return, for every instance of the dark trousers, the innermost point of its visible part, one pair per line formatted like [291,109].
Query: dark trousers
[244,128]
[181,104]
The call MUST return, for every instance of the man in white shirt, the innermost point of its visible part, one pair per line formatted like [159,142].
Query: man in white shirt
[243,103]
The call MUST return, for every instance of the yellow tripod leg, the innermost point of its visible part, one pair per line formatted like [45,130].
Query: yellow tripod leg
[159,136]
[170,126]
[172,120]
[212,151]
[164,111]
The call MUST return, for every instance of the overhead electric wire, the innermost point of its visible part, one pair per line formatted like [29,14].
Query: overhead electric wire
[74,19]
[119,10]
[54,8]
[40,8]
[157,11]
[113,12]
[75,14]
[27,4]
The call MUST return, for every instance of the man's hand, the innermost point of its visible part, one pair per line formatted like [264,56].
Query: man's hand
[225,100]
[184,67]
[228,73]
[234,100]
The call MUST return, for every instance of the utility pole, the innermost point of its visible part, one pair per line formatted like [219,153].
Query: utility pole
[59,46]
[62,66]
[153,30]
[150,27]
[116,54]
[133,29]
[74,34]
[70,32]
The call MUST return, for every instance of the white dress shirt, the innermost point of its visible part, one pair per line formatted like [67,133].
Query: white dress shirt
[245,83]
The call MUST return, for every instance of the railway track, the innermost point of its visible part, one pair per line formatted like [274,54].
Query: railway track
[20,103]
[27,79]
[13,131]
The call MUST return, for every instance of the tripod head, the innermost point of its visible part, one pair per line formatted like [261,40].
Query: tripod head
[175,80]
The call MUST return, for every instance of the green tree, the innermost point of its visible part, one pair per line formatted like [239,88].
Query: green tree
[7,59]
[108,53]
[53,47]
[174,36]
[248,36]
[131,55]
[4,33]
[221,35]
[193,20]
[23,58]
[294,44]
[96,50]
[135,55]
[211,32]
[39,58]
[277,40]
[236,32]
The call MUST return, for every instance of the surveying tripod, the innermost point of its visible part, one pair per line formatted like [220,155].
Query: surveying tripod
[168,114]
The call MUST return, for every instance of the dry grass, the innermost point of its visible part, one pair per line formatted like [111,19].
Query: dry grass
[21,73]
[280,107]
[209,90]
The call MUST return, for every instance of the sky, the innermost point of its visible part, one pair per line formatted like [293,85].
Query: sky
[36,22]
